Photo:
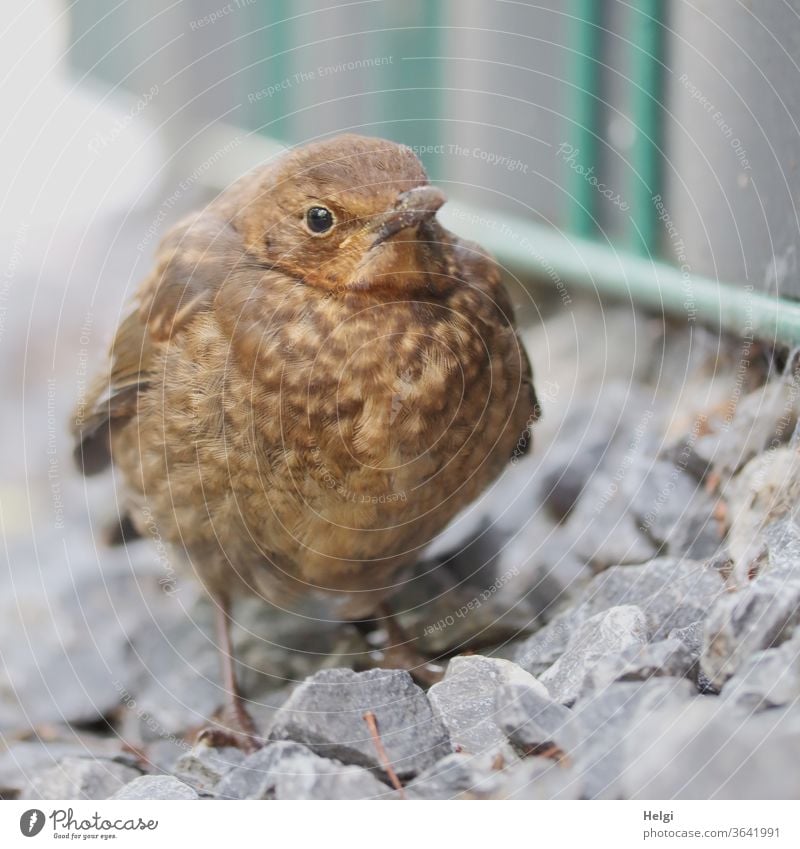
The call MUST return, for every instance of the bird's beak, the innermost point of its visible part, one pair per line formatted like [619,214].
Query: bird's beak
[412,208]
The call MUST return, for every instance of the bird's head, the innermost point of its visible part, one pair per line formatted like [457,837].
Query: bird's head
[347,213]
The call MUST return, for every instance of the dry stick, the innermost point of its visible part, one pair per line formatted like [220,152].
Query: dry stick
[372,724]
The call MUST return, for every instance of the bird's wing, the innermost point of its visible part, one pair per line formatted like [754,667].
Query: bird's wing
[480,267]
[504,305]
[192,263]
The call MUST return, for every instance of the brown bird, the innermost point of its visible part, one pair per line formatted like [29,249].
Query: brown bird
[314,380]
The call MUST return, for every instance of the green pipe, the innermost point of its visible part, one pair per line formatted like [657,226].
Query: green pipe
[571,262]
[272,39]
[647,38]
[411,81]
[583,112]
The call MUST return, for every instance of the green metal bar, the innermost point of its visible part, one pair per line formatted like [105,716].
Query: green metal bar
[568,262]
[274,58]
[586,22]
[412,85]
[647,41]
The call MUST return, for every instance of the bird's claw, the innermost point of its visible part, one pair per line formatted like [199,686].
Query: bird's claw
[222,738]
[424,672]
[236,729]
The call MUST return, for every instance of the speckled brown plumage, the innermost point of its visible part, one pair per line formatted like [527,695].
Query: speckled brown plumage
[302,413]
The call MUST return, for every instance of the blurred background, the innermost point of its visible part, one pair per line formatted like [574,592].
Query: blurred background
[615,156]
[665,130]
[656,98]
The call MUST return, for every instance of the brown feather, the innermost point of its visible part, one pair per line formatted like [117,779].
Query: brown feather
[303,413]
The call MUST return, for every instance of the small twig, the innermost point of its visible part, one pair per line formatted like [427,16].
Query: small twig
[372,724]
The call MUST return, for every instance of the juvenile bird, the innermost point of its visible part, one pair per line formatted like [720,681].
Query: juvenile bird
[314,379]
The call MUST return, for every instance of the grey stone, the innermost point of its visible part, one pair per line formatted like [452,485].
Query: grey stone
[532,778]
[204,766]
[456,776]
[672,507]
[783,538]
[591,442]
[691,636]
[20,760]
[326,713]
[467,596]
[764,419]
[74,666]
[541,650]
[671,593]
[605,633]
[668,657]
[591,449]
[551,571]
[161,756]
[604,527]
[765,491]
[759,616]
[603,722]
[781,550]
[462,776]
[80,778]
[465,702]
[156,787]
[532,720]
[637,507]
[702,750]
[563,484]
[175,679]
[769,678]
[286,770]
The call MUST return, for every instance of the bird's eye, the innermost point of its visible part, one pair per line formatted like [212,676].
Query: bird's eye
[319,219]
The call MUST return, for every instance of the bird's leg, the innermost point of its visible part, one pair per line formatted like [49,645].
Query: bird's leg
[240,730]
[400,652]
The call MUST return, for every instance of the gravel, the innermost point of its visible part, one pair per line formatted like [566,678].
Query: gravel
[671,593]
[765,491]
[701,750]
[600,636]
[204,767]
[602,724]
[456,776]
[758,616]
[326,713]
[670,658]
[623,652]
[465,702]
[156,787]
[286,770]
[764,418]
[769,678]
[80,778]
[532,721]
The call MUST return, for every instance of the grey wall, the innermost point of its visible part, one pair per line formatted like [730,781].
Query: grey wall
[739,220]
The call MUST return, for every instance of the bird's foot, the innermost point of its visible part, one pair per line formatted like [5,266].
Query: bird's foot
[235,729]
[402,656]
[224,738]
[397,649]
